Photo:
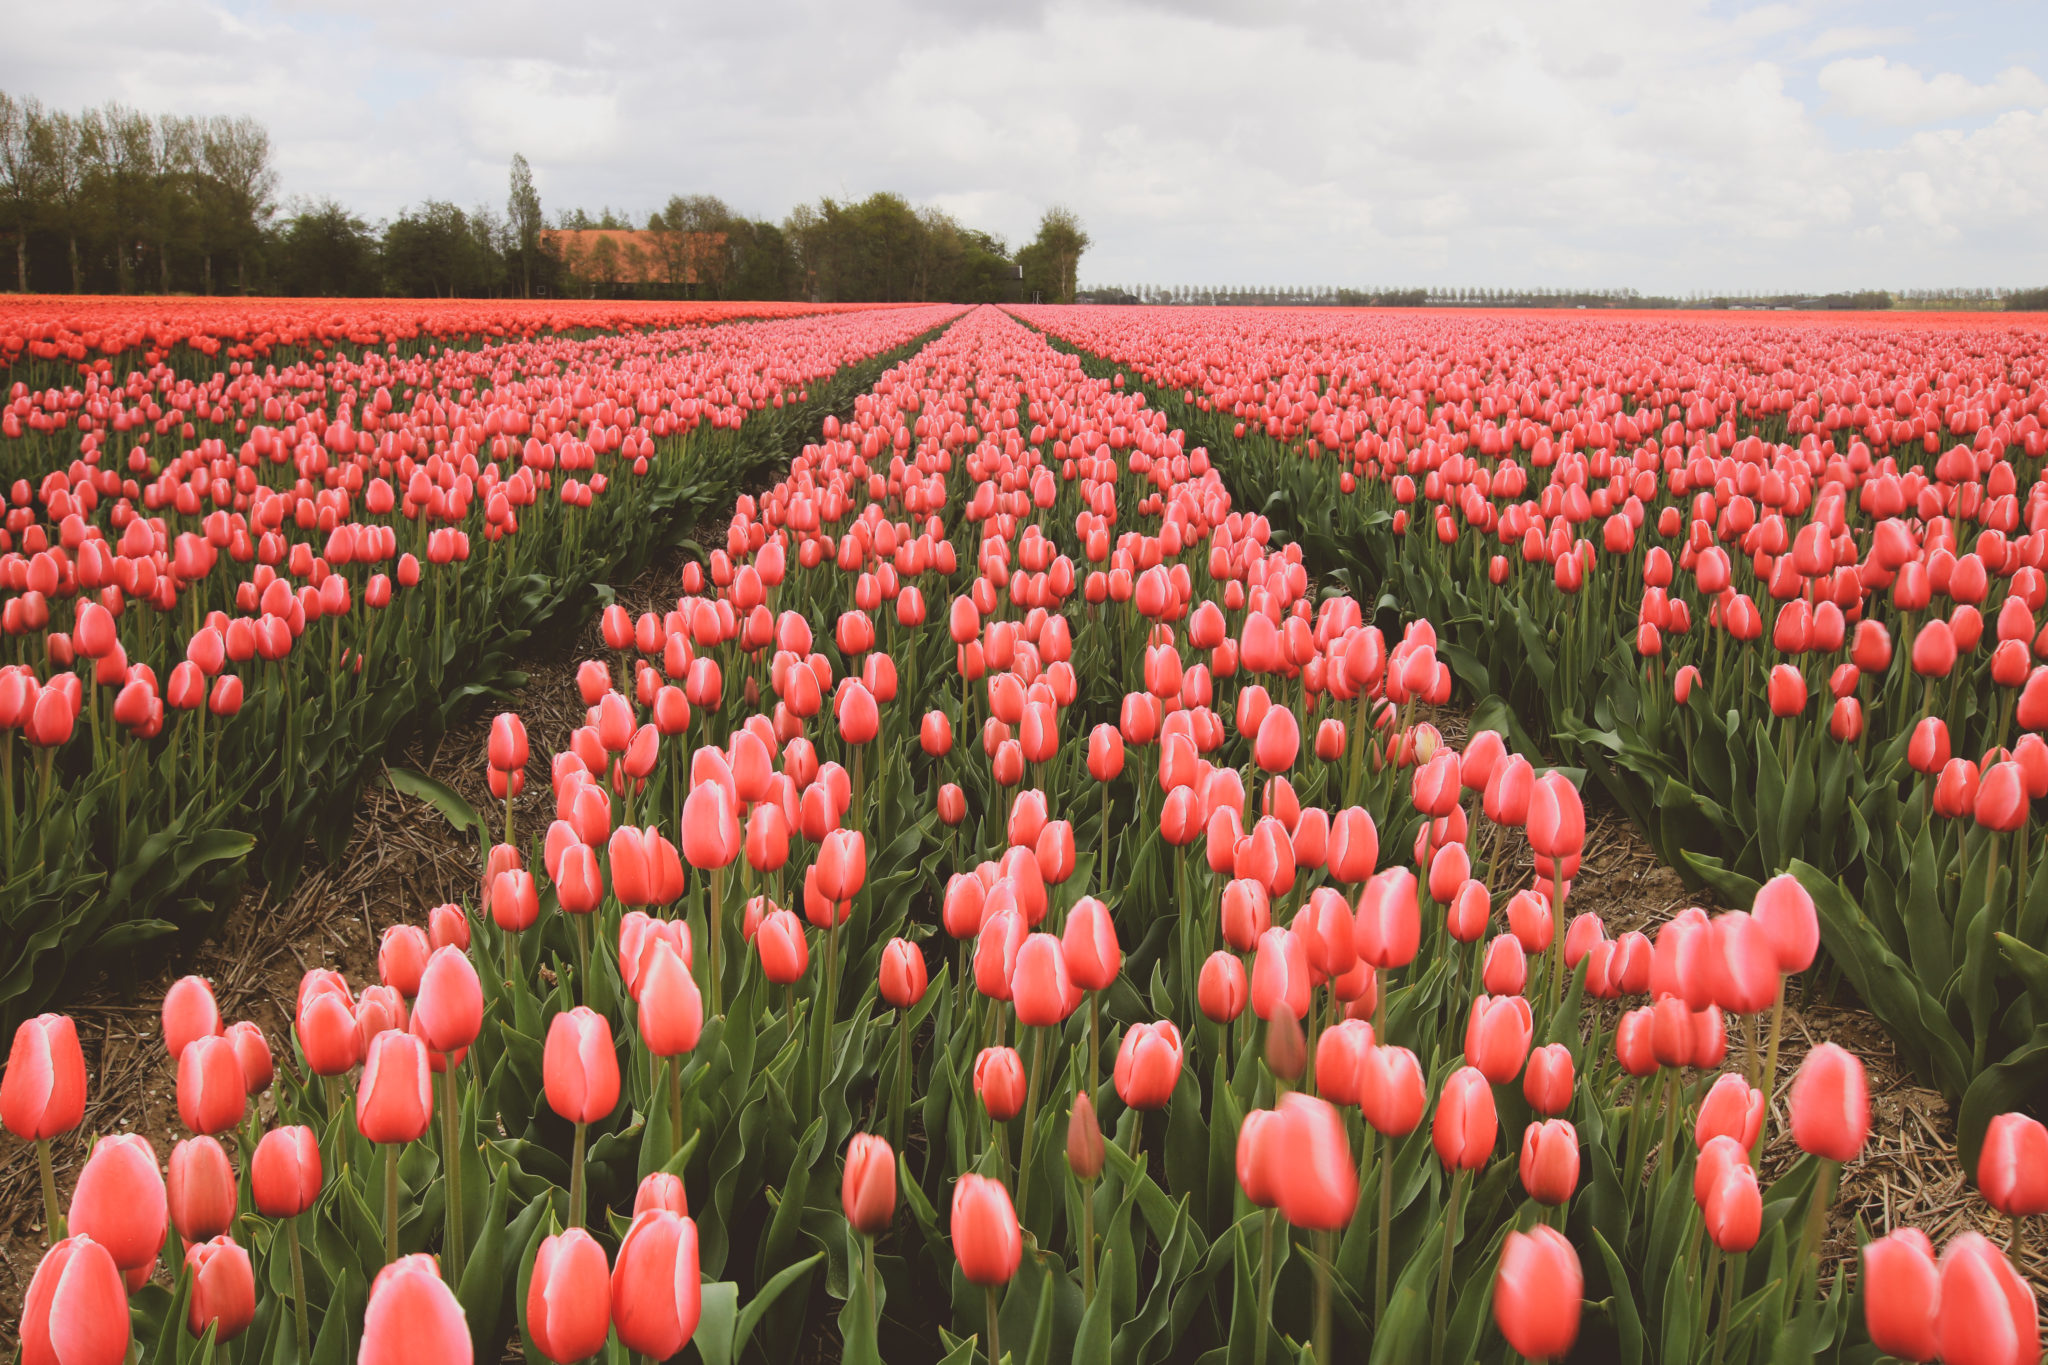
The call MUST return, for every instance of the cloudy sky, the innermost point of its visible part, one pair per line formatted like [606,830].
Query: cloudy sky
[1670,145]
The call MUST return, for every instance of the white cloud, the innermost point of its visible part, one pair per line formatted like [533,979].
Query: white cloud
[1670,146]
[1882,91]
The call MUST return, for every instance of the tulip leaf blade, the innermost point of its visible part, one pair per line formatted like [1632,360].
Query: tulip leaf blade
[718,1313]
[1628,1324]
[443,798]
[764,1299]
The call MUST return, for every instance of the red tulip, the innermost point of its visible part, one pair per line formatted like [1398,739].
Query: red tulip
[1547,1082]
[1280,976]
[1550,1161]
[1928,750]
[1341,1052]
[656,1292]
[1085,1151]
[579,1068]
[42,1093]
[2012,1166]
[1634,1042]
[395,1101]
[1089,944]
[1901,1295]
[661,1191]
[1786,912]
[1222,991]
[999,1081]
[903,977]
[842,864]
[1830,1104]
[1732,1108]
[985,1235]
[1506,968]
[448,1010]
[1039,988]
[1987,1314]
[1391,1094]
[568,1308]
[189,1013]
[223,1289]
[1318,1177]
[507,749]
[2002,799]
[1354,846]
[326,1028]
[1389,926]
[515,900]
[785,953]
[671,1006]
[1734,1209]
[413,1318]
[1148,1065]
[1278,742]
[211,1095]
[284,1173]
[201,1190]
[1465,1124]
[1537,1292]
[76,1308]
[867,1192]
[1497,1034]
[1742,963]
[120,1201]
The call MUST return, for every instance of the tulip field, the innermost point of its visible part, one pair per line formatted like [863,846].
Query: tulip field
[1078,864]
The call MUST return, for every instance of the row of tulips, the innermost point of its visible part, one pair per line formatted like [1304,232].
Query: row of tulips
[213,635]
[1231,924]
[1777,585]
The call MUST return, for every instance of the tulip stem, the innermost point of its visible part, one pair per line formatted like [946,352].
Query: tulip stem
[1030,1119]
[576,1194]
[2015,1242]
[583,955]
[1088,1242]
[1264,1326]
[712,915]
[995,1350]
[1763,1131]
[304,1328]
[1816,1223]
[1323,1252]
[675,1104]
[390,1202]
[1386,1230]
[52,1216]
[1729,1288]
[451,1160]
[1443,1271]
[902,1095]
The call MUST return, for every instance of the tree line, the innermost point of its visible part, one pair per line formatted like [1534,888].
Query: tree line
[113,200]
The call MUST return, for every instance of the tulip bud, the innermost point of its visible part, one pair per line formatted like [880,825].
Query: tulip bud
[395,1102]
[413,1318]
[120,1201]
[1085,1148]
[223,1289]
[1830,1104]
[1148,1065]
[2012,1166]
[201,1189]
[984,1229]
[867,1192]
[1550,1161]
[76,1309]
[42,1092]
[1901,1292]
[1537,1292]
[284,1173]
[568,1309]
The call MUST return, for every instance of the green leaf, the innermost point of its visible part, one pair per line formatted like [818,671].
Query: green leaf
[1628,1325]
[757,1307]
[439,795]
[719,1312]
